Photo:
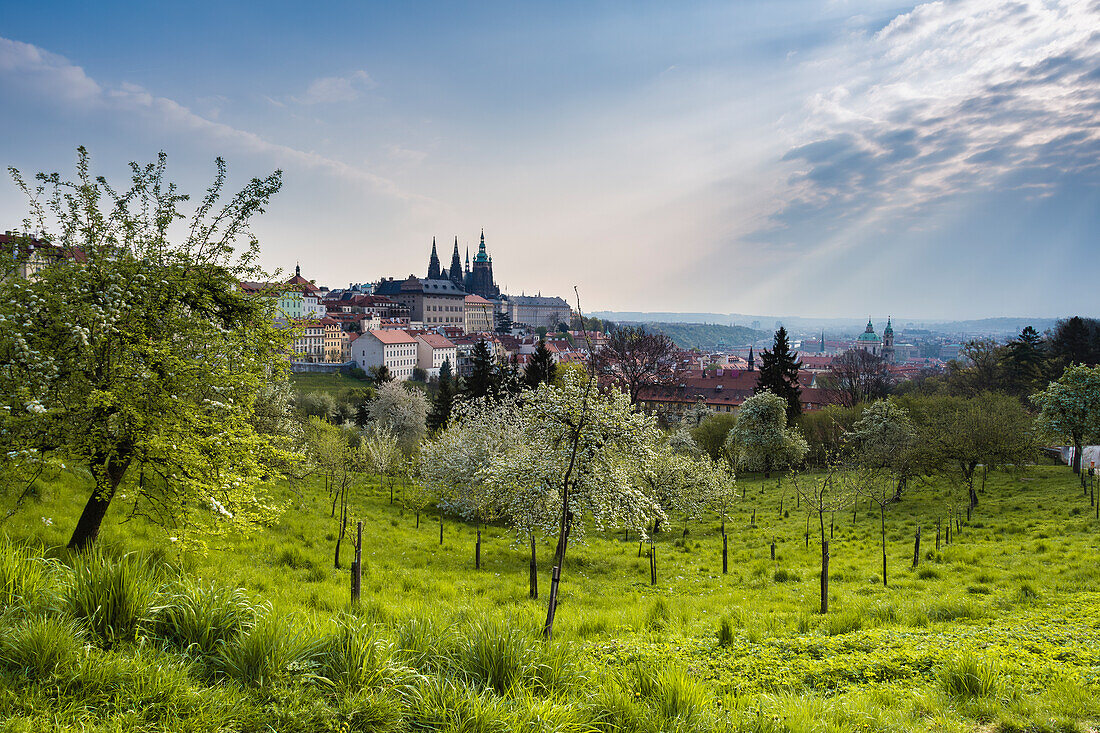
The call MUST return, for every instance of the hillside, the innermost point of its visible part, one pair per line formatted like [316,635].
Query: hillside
[438,645]
[706,336]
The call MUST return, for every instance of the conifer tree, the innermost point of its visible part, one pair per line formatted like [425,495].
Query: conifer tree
[482,379]
[542,368]
[444,399]
[779,373]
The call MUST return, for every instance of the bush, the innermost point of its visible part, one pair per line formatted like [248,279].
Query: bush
[38,645]
[968,676]
[114,598]
[199,619]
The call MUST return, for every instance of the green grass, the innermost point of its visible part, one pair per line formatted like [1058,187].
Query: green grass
[998,630]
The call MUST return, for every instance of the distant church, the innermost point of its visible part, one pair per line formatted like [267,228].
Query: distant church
[477,280]
[869,341]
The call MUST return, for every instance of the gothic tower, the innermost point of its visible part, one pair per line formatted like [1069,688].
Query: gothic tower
[456,267]
[433,264]
[752,361]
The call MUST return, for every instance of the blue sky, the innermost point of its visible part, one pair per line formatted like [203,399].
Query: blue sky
[829,158]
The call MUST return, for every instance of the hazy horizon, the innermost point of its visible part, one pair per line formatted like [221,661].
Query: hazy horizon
[828,158]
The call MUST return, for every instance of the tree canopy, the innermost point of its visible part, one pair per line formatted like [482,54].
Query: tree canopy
[139,355]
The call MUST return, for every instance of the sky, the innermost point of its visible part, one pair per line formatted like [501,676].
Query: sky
[832,158]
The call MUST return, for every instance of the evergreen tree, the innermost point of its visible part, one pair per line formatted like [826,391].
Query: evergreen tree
[1075,342]
[482,381]
[509,380]
[504,323]
[1023,362]
[444,399]
[779,374]
[541,369]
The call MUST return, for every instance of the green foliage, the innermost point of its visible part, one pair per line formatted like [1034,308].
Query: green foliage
[267,653]
[760,439]
[139,357]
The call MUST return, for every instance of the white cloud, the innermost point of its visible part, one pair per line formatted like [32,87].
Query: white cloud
[949,98]
[55,78]
[333,89]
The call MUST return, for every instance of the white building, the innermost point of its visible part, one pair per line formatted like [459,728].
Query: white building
[395,349]
[432,350]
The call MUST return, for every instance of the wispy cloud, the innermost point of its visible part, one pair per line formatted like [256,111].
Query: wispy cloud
[950,98]
[333,89]
[56,78]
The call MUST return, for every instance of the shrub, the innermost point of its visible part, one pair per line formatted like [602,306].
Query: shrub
[114,598]
[200,618]
[968,676]
[38,645]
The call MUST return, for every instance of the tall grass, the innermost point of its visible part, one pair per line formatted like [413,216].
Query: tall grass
[113,598]
[968,676]
[269,652]
[37,645]
[353,657]
[199,618]
[23,575]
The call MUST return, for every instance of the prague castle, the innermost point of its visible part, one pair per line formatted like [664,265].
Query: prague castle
[476,280]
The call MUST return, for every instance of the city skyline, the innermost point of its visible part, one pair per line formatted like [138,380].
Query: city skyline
[824,159]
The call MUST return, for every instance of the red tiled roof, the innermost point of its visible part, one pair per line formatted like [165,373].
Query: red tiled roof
[393,336]
[436,341]
[477,300]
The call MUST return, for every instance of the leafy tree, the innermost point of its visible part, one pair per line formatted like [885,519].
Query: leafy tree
[826,431]
[542,368]
[956,435]
[883,439]
[139,357]
[382,453]
[634,358]
[380,374]
[711,433]
[332,453]
[1070,408]
[443,401]
[582,451]
[760,439]
[858,376]
[978,368]
[402,412]
[779,374]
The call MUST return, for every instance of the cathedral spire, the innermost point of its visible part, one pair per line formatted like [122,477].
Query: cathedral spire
[752,361]
[823,341]
[456,267]
[433,264]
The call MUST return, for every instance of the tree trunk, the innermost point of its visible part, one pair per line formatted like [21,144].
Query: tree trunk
[1077,459]
[652,563]
[916,548]
[477,550]
[725,555]
[418,519]
[441,526]
[824,576]
[882,514]
[87,527]
[534,590]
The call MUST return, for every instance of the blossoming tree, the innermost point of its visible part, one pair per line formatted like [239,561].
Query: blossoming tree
[138,355]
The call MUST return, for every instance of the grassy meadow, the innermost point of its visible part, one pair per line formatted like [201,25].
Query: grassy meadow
[997,630]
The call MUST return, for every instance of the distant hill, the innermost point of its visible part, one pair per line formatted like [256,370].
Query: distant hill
[705,335]
[1001,327]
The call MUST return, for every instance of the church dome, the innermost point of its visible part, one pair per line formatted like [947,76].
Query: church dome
[869,333]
